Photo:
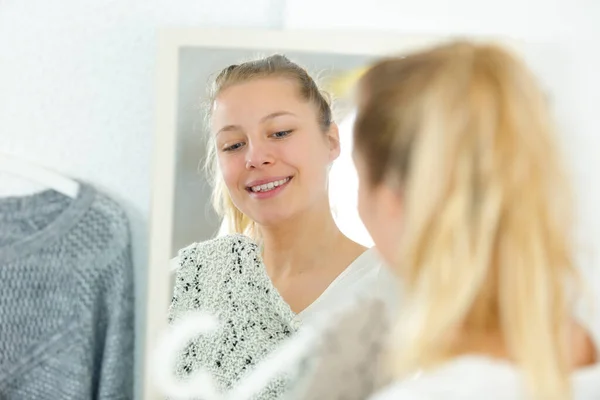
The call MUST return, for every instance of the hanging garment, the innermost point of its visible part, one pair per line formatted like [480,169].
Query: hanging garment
[66,298]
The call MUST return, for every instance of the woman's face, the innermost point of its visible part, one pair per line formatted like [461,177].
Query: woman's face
[381,210]
[272,153]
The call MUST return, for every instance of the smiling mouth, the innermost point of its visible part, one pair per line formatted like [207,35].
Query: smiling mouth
[267,187]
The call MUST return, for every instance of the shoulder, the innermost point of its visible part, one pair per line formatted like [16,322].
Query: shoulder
[211,273]
[587,307]
[395,391]
[101,233]
[370,260]
[398,391]
[378,278]
[468,377]
[367,275]
[217,249]
[210,260]
[107,217]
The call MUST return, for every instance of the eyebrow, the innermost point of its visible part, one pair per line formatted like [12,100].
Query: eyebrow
[230,128]
[276,114]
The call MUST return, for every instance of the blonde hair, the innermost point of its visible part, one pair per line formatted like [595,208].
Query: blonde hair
[463,130]
[274,66]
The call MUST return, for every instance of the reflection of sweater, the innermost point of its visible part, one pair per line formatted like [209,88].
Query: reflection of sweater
[66,298]
[226,277]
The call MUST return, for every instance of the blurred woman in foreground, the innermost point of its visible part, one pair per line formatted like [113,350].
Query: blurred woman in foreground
[464,194]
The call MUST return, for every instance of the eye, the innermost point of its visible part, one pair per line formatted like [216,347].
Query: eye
[234,147]
[281,134]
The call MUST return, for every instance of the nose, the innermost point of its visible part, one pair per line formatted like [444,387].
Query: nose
[258,155]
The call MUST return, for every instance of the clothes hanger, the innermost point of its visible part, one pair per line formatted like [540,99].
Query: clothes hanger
[35,173]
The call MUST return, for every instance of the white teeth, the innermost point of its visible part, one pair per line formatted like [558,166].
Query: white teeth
[269,186]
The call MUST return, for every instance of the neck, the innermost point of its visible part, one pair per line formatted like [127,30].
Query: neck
[300,243]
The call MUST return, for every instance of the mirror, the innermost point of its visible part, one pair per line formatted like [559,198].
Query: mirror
[181,206]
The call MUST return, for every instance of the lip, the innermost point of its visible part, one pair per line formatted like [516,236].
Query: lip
[271,193]
[266,180]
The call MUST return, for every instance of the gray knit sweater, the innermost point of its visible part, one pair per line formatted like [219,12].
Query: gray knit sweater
[66,298]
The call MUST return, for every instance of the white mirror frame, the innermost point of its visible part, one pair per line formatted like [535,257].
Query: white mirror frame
[163,176]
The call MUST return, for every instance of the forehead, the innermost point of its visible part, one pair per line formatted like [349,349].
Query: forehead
[248,102]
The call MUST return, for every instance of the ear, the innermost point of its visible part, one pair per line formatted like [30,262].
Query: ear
[333,139]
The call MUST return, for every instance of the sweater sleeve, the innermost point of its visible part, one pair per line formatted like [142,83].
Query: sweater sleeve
[180,268]
[226,278]
[115,347]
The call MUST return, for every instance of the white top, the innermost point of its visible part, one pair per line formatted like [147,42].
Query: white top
[480,377]
[366,273]
[225,277]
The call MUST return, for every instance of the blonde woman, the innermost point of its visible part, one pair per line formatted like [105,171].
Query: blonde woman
[272,141]
[463,192]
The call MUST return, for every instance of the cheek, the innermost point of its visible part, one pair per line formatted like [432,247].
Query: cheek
[231,168]
[308,155]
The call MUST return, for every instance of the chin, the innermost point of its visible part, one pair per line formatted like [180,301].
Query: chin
[272,219]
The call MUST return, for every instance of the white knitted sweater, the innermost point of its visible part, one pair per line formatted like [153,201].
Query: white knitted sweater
[226,277]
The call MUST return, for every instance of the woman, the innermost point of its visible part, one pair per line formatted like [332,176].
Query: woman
[272,142]
[463,193]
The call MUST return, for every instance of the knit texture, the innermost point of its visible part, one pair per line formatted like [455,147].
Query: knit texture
[66,298]
[226,278]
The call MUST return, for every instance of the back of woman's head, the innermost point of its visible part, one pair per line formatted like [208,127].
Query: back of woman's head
[274,66]
[463,131]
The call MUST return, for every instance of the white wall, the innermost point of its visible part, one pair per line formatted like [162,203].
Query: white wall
[531,18]
[77,85]
[77,77]
[562,45]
